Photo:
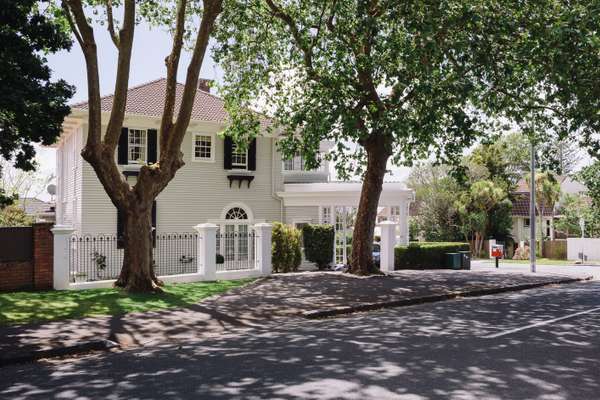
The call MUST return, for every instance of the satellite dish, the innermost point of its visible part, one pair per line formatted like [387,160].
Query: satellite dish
[51,189]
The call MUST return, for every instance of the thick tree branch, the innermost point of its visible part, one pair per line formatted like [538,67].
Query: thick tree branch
[94,151]
[111,23]
[85,35]
[306,50]
[170,154]
[72,25]
[172,63]
[117,114]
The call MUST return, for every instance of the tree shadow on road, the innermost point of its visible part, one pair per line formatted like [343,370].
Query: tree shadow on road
[435,351]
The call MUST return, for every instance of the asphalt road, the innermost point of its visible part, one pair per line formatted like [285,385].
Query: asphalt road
[537,344]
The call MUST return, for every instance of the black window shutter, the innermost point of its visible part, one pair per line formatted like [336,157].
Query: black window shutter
[252,155]
[228,149]
[120,230]
[154,223]
[152,146]
[122,149]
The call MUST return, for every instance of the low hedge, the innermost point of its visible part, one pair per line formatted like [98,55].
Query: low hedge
[318,244]
[286,250]
[424,255]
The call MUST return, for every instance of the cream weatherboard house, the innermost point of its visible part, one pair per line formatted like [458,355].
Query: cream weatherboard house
[218,184]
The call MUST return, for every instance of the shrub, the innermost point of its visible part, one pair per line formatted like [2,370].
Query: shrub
[14,216]
[220,259]
[318,244]
[422,255]
[287,254]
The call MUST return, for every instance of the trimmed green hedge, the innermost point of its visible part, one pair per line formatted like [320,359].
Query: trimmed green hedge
[423,255]
[318,244]
[286,250]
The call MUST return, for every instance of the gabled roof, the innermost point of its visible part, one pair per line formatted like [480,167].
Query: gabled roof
[148,99]
[520,206]
[35,206]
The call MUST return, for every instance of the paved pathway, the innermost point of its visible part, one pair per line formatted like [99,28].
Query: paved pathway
[263,303]
[548,348]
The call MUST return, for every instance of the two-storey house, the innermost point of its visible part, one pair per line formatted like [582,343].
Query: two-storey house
[219,183]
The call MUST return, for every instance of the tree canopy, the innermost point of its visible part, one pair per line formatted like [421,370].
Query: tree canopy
[32,107]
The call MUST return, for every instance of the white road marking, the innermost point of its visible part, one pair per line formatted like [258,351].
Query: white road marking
[541,323]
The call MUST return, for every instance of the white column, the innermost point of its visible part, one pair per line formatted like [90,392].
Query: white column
[60,269]
[263,248]
[388,242]
[207,251]
[404,229]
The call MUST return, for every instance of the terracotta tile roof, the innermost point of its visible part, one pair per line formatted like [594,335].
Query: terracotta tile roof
[149,98]
[520,206]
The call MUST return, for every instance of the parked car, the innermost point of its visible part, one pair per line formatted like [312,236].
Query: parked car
[376,253]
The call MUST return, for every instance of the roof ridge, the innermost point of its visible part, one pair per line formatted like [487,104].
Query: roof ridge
[141,85]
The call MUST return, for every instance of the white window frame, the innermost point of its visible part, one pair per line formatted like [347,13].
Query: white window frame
[212,147]
[234,165]
[145,147]
[297,164]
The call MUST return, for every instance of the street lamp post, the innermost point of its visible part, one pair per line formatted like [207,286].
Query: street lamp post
[532,239]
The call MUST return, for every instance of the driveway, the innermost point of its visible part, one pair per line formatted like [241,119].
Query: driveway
[536,344]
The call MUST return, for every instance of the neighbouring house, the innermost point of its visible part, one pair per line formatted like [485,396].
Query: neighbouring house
[219,183]
[38,209]
[521,220]
[520,210]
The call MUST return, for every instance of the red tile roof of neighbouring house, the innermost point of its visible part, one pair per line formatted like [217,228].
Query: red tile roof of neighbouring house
[520,206]
[148,99]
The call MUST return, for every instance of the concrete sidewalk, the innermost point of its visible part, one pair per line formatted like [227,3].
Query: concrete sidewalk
[268,301]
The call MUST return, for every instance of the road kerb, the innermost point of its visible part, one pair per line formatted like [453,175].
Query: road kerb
[335,311]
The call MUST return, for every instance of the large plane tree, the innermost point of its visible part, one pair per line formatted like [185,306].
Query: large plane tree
[135,202]
[400,79]
[395,77]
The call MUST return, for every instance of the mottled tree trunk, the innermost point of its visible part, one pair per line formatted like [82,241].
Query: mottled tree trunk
[135,203]
[362,241]
[137,273]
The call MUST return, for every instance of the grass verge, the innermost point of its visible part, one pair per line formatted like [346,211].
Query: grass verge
[24,307]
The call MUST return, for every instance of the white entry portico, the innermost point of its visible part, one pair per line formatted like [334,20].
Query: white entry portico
[337,203]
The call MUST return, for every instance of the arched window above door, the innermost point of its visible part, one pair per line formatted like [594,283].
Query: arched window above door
[236,213]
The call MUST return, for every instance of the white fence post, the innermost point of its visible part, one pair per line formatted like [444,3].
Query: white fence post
[388,242]
[60,273]
[263,248]
[207,251]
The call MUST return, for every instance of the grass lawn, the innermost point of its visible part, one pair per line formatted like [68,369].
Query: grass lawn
[23,307]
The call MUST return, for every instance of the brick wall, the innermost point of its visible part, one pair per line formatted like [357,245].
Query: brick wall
[35,273]
[43,246]
[16,275]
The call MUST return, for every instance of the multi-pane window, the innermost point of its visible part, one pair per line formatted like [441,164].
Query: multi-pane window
[203,150]
[239,157]
[288,165]
[297,163]
[136,146]
[326,215]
